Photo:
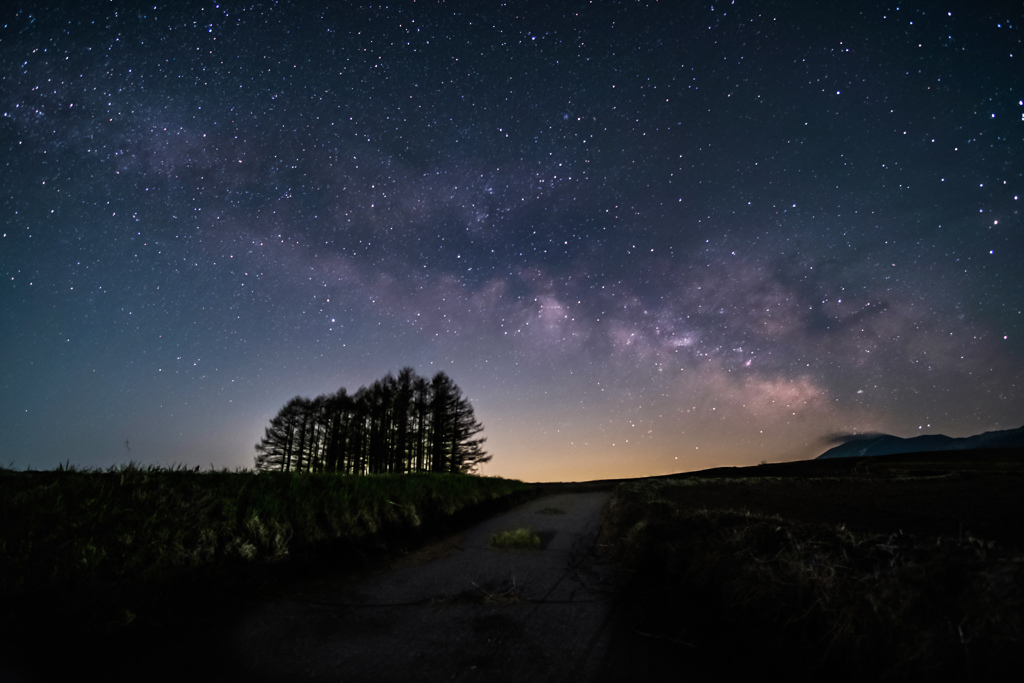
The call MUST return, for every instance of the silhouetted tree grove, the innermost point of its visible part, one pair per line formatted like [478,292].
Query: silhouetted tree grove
[396,425]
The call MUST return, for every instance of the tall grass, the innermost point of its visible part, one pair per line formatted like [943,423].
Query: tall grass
[134,529]
[817,599]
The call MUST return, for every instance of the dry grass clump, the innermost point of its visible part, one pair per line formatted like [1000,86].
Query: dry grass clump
[858,605]
[516,539]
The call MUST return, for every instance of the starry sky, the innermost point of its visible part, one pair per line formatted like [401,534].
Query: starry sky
[642,237]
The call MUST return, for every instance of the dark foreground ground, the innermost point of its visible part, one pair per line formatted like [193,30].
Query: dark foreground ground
[577,609]
[463,611]
[456,609]
[888,568]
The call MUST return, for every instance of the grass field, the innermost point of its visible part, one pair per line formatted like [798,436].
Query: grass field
[100,549]
[878,569]
[886,568]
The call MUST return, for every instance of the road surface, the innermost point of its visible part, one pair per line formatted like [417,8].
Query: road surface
[460,611]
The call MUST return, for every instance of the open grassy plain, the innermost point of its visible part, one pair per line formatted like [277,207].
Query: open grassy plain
[886,568]
[897,567]
[94,551]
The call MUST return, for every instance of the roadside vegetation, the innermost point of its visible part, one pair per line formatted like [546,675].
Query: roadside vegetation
[100,548]
[855,578]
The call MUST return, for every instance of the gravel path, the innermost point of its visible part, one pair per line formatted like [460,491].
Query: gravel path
[462,611]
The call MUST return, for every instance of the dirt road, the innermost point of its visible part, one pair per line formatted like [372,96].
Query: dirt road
[461,612]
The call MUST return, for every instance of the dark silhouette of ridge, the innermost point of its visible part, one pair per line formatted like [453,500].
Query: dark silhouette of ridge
[886,444]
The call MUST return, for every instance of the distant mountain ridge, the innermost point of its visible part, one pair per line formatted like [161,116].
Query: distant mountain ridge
[886,444]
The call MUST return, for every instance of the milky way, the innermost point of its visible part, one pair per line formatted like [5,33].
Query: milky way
[641,237]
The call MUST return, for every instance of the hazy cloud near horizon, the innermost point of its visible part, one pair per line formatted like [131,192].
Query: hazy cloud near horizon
[838,439]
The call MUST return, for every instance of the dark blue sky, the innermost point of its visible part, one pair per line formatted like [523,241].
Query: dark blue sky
[641,237]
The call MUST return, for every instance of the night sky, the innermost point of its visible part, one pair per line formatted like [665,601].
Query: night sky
[641,237]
